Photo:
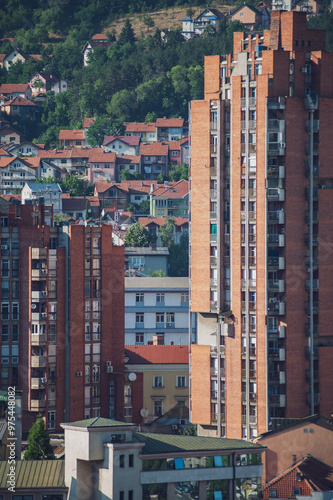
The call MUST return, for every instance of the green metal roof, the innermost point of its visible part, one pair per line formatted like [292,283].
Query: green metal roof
[171,443]
[3,395]
[98,422]
[35,474]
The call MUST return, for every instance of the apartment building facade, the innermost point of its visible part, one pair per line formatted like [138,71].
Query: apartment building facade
[260,232]
[157,311]
[62,310]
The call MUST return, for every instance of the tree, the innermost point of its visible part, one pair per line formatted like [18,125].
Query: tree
[127,34]
[103,125]
[147,21]
[60,218]
[178,258]
[137,236]
[156,274]
[145,207]
[39,446]
[167,232]
[73,185]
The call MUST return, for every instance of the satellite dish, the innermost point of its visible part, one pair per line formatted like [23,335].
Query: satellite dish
[33,306]
[132,377]
[144,412]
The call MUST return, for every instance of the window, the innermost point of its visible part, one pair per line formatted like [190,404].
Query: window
[139,318]
[4,311]
[158,381]
[122,461]
[139,298]
[15,333]
[4,334]
[96,394]
[297,491]
[5,268]
[174,153]
[160,297]
[121,493]
[139,338]
[170,319]
[158,408]
[131,460]
[96,373]
[51,420]
[181,381]
[160,318]
[4,221]
[184,297]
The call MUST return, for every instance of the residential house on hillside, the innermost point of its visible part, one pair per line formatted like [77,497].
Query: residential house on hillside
[72,161]
[48,195]
[147,131]
[26,148]
[311,7]
[43,82]
[146,259]
[154,159]
[292,439]
[12,90]
[161,384]
[156,311]
[49,169]
[174,153]
[247,15]
[74,206]
[15,172]
[120,220]
[170,199]
[154,224]
[72,139]
[197,26]
[15,56]
[131,163]
[184,151]
[20,108]
[10,135]
[169,129]
[98,40]
[305,476]
[121,194]
[101,165]
[122,145]
[87,122]
[34,163]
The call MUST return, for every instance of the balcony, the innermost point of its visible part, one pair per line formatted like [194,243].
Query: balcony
[37,404]
[213,126]
[38,253]
[38,361]
[276,308]
[276,103]
[38,339]
[250,283]
[37,295]
[277,400]
[213,193]
[315,307]
[38,316]
[37,274]
[252,306]
[38,383]
[275,194]
[213,261]
[276,216]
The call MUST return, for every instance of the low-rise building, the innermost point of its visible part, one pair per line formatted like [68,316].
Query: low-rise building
[169,129]
[47,194]
[26,148]
[97,40]
[71,161]
[131,163]
[10,135]
[42,82]
[146,259]
[101,165]
[154,225]
[170,199]
[147,131]
[154,159]
[12,90]
[110,459]
[157,381]
[122,145]
[14,173]
[21,108]
[196,27]
[72,139]
[248,15]
[157,310]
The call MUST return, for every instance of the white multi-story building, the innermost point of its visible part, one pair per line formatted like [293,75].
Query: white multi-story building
[157,311]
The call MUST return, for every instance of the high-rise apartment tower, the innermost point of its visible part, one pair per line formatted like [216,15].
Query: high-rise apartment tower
[262,231]
[62,317]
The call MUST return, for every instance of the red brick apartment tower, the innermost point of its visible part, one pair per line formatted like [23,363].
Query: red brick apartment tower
[62,317]
[262,232]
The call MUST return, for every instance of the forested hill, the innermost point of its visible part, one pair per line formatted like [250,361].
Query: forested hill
[136,78]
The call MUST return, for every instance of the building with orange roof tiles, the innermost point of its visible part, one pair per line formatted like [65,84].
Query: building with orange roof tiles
[147,131]
[72,138]
[169,129]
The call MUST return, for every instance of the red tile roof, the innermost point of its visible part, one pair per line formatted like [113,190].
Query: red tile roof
[140,127]
[130,140]
[2,57]
[6,160]
[10,88]
[308,474]
[170,122]
[126,186]
[32,162]
[97,155]
[160,221]
[152,354]
[154,149]
[173,189]
[66,153]
[88,121]
[71,135]
[93,201]
[173,145]
[38,57]
[128,159]
[10,131]
[99,36]
[10,197]
[3,152]
[19,101]
[183,141]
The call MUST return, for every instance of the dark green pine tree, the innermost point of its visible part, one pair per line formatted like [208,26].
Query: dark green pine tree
[39,446]
[127,34]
